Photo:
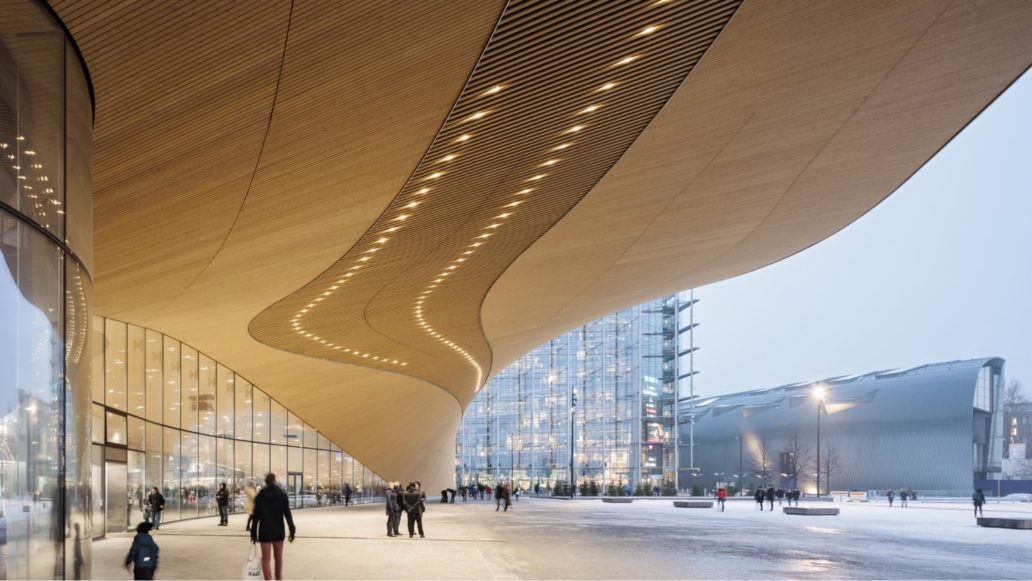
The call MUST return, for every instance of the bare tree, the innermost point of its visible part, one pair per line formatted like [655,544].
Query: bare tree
[763,458]
[1013,394]
[830,465]
[796,457]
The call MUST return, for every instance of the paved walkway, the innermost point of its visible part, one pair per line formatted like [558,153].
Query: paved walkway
[586,539]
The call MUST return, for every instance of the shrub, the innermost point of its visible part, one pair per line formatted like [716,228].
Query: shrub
[669,489]
[697,490]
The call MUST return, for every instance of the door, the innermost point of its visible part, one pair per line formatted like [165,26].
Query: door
[294,493]
[116,498]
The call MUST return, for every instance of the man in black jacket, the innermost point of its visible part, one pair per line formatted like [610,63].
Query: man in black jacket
[222,500]
[157,504]
[271,506]
[412,502]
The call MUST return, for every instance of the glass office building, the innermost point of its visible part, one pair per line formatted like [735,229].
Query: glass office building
[45,285]
[606,390]
[169,416]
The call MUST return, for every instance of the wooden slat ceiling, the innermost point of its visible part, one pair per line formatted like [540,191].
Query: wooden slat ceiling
[245,154]
[559,93]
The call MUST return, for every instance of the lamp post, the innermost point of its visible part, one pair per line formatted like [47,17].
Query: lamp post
[573,417]
[818,396]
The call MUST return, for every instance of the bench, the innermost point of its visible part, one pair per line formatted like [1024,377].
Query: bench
[693,503]
[1006,523]
[808,511]
[618,500]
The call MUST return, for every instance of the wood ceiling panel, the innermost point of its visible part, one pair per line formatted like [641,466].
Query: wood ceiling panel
[238,171]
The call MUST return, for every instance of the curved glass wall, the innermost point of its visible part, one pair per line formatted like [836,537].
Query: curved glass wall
[45,285]
[167,415]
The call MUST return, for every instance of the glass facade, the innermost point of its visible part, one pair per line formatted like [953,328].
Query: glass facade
[172,417]
[45,286]
[609,387]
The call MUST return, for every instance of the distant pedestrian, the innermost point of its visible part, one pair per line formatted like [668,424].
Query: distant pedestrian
[271,507]
[979,499]
[143,554]
[903,499]
[249,493]
[464,492]
[537,488]
[157,504]
[891,496]
[480,491]
[412,502]
[795,496]
[770,497]
[392,508]
[780,493]
[347,494]
[759,498]
[502,497]
[721,497]
[222,501]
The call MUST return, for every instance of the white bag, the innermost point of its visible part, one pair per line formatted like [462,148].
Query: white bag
[253,568]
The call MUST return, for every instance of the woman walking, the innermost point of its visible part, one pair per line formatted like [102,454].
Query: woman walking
[271,507]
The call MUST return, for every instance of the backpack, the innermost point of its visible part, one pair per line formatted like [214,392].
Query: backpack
[143,556]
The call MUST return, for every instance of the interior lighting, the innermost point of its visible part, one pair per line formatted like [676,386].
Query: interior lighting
[561,147]
[492,226]
[422,191]
[411,205]
[525,191]
[476,116]
[434,175]
[627,60]
[493,90]
[401,217]
[589,109]
[463,138]
[382,240]
[549,163]
[504,215]
[364,258]
[513,204]
[447,158]
[537,177]
[575,129]
[648,30]
[607,86]
[484,235]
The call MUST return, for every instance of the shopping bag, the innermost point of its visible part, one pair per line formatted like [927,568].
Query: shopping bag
[253,568]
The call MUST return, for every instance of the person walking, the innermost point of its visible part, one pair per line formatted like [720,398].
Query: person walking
[903,498]
[795,496]
[250,491]
[770,497]
[721,497]
[780,493]
[347,494]
[271,507]
[979,499]
[157,504]
[222,501]
[464,492]
[759,498]
[412,502]
[143,554]
[392,508]
[891,495]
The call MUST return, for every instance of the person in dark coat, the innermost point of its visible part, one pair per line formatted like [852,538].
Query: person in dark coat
[979,499]
[271,507]
[770,497]
[393,510]
[412,502]
[347,495]
[759,497]
[891,495]
[780,493]
[903,498]
[157,504]
[222,500]
[143,554]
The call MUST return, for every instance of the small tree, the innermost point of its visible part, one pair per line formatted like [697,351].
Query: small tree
[613,490]
[593,488]
[697,490]
[796,458]
[668,488]
[1013,394]
[559,488]
[731,490]
[583,488]
[763,457]
[640,490]
[829,466]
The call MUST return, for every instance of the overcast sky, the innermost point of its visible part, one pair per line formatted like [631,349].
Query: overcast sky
[941,270]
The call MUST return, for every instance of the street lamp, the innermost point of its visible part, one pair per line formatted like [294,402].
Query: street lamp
[818,397]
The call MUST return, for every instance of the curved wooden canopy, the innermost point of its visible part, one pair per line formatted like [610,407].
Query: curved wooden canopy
[341,200]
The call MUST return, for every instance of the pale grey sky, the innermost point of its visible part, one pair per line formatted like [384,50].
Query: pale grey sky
[941,270]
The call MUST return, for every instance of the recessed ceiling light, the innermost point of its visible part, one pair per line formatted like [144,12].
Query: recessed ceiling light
[575,129]
[537,177]
[525,191]
[401,217]
[550,162]
[505,214]
[476,116]
[463,138]
[411,205]
[447,158]
[627,59]
[434,175]
[382,240]
[561,146]
[423,191]
[589,109]
[649,29]
[493,90]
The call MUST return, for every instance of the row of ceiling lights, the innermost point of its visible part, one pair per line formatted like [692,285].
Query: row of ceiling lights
[24,182]
[508,209]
